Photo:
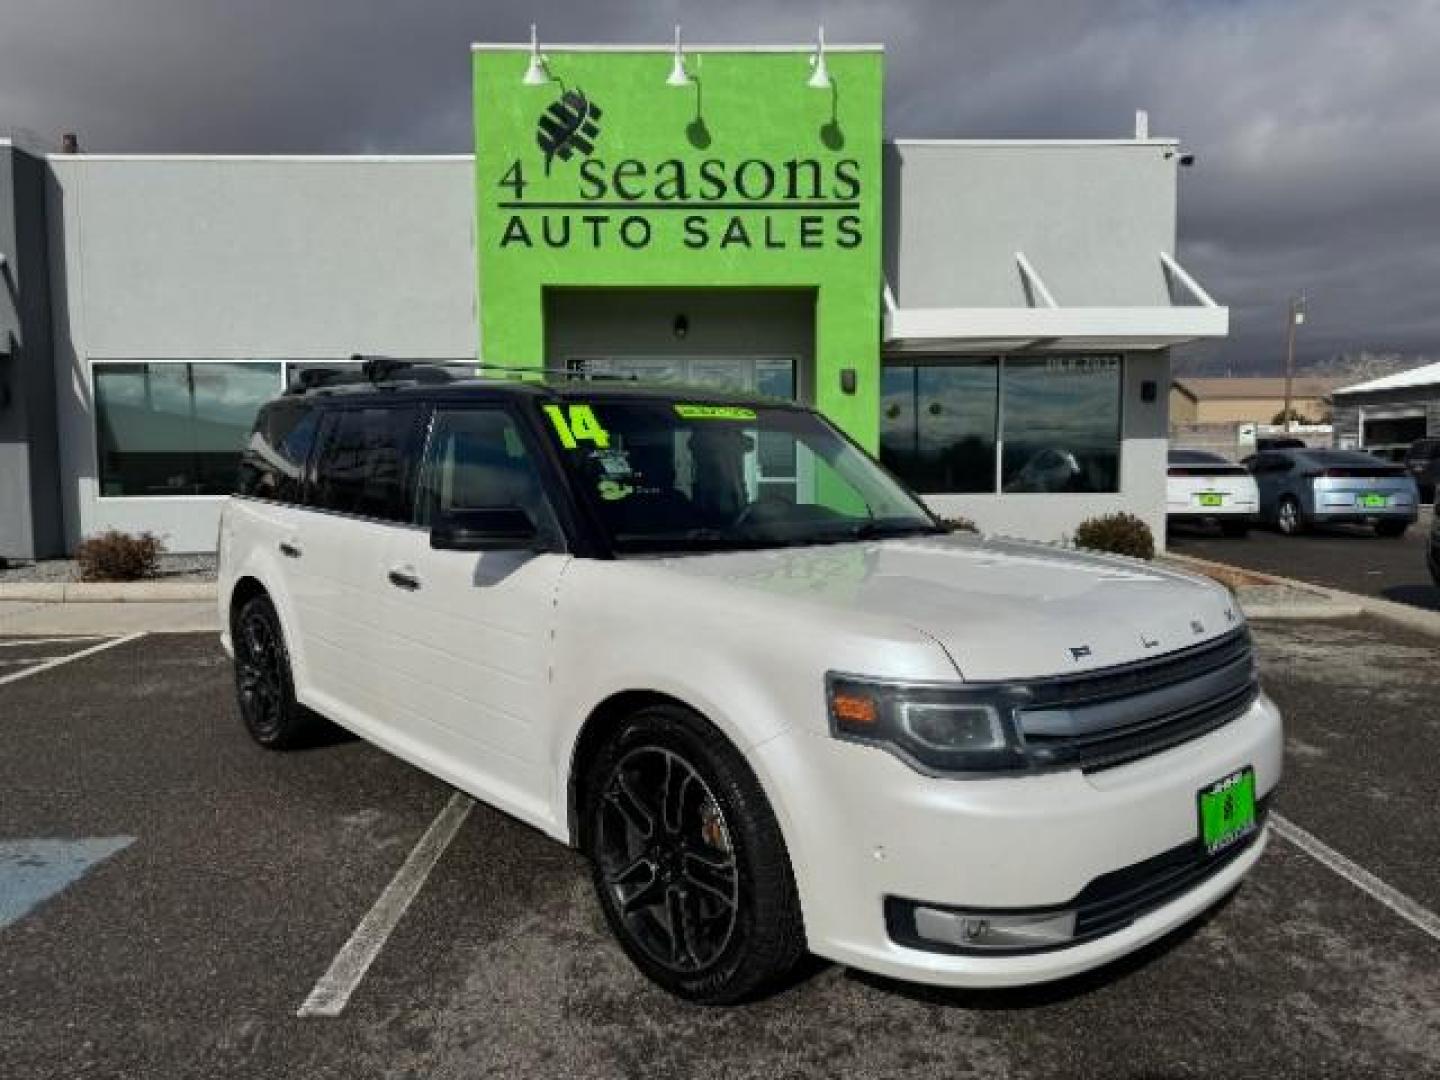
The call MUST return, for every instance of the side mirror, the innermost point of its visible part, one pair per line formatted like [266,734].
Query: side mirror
[491,528]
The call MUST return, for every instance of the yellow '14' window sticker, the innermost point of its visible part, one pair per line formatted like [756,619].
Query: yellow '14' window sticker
[714,412]
[577,424]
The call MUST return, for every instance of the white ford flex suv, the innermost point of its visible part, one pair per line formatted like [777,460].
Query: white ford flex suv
[711,643]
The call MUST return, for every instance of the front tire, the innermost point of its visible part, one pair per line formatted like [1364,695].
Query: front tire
[688,861]
[264,687]
[1290,517]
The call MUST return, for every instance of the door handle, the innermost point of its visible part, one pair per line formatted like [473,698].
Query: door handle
[289,550]
[404,579]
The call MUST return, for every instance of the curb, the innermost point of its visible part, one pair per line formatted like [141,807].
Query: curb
[98,592]
[1340,604]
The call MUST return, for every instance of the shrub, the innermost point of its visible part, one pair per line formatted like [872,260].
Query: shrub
[959,524]
[1119,534]
[119,556]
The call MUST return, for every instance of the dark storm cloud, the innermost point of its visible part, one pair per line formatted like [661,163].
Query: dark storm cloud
[1316,122]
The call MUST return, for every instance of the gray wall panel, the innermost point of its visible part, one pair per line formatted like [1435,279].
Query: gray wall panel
[1091,218]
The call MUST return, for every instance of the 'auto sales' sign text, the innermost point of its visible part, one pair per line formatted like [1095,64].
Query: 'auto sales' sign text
[672,203]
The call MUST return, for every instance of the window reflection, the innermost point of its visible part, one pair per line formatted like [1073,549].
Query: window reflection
[1054,422]
[1062,424]
[176,428]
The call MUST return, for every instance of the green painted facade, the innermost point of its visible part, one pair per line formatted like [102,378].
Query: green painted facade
[747,178]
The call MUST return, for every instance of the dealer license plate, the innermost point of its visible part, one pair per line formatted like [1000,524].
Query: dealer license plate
[1212,498]
[1374,500]
[1227,810]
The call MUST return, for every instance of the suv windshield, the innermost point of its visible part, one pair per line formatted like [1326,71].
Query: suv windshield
[667,475]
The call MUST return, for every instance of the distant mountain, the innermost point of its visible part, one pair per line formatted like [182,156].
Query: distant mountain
[1345,367]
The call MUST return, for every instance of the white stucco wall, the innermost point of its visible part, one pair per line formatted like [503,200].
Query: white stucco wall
[176,258]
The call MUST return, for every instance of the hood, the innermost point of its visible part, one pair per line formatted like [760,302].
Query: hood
[1000,609]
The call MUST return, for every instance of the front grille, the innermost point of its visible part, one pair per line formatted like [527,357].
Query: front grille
[1113,901]
[1105,718]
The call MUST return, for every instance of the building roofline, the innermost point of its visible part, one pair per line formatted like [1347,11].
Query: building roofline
[317,159]
[667,47]
[1034,142]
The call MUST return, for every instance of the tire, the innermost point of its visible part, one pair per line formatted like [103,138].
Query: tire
[1290,516]
[264,688]
[1392,530]
[680,835]
[1237,529]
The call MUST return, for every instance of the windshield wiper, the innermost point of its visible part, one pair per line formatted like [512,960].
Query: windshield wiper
[875,530]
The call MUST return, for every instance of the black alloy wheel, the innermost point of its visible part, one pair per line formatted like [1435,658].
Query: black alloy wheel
[667,858]
[688,861]
[263,685]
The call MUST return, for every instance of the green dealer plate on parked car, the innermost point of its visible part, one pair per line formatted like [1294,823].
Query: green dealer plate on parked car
[1227,810]
[1374,500]
[1212,498]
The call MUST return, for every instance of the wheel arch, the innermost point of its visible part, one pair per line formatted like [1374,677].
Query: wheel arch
[601,720]
[245,589]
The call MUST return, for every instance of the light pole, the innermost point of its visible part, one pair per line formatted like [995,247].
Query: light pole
[1296,317]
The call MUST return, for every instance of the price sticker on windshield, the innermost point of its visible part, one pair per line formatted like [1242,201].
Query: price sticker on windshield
[714,412]
[577,424]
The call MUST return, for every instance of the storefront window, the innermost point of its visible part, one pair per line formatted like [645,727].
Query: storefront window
[1053,422]
[938,425]
[176,428]
[1062,424]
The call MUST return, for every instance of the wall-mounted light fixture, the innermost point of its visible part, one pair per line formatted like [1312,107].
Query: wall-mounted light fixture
[537,74]
[820,75]
[678,75]
[848,380]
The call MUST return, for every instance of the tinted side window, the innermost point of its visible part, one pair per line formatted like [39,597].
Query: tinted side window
[367,463]
[273,465]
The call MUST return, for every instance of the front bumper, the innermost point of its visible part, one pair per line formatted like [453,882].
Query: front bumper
[870,829]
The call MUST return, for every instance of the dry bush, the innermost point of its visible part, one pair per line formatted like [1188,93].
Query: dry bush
[119,556]
[1119,534]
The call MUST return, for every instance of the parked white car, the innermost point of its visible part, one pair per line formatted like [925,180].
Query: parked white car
[709,642]
[1203,486]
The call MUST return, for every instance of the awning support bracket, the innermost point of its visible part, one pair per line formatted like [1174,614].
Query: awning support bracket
[1034,284]
[1190,285]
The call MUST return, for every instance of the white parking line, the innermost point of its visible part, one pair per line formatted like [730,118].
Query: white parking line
[333,991]
[1362,879]
[8,643]
[48,664]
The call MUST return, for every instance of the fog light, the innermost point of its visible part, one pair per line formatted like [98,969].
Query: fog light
[983,930]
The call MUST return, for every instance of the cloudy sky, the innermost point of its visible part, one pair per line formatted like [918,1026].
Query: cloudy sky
[1316,123]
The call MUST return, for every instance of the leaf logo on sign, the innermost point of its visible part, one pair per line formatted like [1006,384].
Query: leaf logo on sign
[570,124]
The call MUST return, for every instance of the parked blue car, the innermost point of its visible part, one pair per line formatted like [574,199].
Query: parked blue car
[1304,487]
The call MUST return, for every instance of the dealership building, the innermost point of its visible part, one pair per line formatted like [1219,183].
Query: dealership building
[994,317]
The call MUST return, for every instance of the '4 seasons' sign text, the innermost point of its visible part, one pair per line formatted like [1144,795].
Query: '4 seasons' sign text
[750,204]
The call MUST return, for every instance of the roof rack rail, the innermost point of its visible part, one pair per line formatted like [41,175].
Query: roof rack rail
[374,371]
[389,371]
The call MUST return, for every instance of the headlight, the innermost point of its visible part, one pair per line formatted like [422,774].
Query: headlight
[935,728]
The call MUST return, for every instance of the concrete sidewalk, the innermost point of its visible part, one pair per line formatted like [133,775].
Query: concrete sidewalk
[194,616]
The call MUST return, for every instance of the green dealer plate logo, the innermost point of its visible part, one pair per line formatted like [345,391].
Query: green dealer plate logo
[1227,810]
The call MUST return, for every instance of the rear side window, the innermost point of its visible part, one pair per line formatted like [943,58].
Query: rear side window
[273,465]
[367,463]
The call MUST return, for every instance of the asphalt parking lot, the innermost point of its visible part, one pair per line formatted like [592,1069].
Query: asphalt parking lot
[170,895]
[1349,557]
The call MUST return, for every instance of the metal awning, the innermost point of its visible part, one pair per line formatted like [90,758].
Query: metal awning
[1048,325]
